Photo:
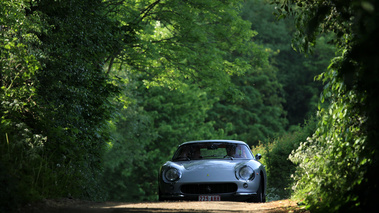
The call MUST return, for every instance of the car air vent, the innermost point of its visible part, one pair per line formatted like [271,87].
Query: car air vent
[211,188]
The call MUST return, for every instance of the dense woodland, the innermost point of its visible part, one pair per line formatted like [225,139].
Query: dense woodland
[97,94]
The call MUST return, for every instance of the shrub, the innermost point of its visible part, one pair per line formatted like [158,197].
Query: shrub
[279,167]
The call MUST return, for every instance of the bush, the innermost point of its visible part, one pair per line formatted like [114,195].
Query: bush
[279,167]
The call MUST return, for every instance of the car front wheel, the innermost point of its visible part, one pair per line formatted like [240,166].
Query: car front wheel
[260,197]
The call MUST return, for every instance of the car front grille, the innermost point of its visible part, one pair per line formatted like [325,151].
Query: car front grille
[209,188]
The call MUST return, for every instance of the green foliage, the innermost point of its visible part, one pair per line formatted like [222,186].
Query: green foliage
[253,112]
[54,107]
[275,157]
[20,147]
[279,167]
[295,72]
[127,163]
[329,161]
[336,165]
[181,40]
[151,127]
[73,90]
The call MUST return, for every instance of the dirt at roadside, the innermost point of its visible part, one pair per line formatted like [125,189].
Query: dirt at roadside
[76,206]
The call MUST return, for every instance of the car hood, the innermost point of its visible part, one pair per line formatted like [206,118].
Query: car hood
[209,170]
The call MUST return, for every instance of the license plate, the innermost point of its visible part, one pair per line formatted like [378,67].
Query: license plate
[209,198]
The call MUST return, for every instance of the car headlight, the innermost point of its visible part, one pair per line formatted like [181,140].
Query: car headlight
[172,174]
[246,173]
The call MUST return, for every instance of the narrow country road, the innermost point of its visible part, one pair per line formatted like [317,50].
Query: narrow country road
[75,206]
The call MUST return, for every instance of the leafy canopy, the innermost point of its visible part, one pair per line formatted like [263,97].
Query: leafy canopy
[175,40]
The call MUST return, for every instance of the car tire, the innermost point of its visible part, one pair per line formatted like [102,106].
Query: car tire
[260,197]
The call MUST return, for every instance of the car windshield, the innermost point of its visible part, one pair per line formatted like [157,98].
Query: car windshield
[217,150]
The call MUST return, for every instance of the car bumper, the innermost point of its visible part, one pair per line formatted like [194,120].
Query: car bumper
[244,191]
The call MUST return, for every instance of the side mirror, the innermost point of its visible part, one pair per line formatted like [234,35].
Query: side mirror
[258,156]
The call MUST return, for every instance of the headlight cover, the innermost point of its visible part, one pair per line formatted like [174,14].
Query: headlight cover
[172,174]
[246,173]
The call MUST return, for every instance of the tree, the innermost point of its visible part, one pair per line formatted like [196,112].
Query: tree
[74,90]
[54,96]
[338,163]
[253,111]
[176,39]
[295,72]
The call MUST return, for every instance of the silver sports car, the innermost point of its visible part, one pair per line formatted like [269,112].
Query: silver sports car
[213,170]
